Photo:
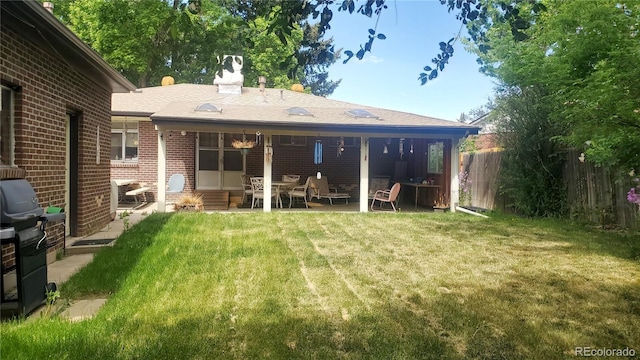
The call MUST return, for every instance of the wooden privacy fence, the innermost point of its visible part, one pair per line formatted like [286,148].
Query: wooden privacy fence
[593,193]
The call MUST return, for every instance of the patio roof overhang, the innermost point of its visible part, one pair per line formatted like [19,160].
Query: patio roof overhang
[319,129]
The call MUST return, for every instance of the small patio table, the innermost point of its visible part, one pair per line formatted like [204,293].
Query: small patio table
[419,186]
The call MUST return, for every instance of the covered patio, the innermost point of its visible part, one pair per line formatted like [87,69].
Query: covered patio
[358,144]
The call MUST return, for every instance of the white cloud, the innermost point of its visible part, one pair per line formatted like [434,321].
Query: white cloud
[373,59]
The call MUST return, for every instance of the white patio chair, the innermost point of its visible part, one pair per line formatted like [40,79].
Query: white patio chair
[299,192]
[257,191]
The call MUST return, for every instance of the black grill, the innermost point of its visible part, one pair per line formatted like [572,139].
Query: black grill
[22,223]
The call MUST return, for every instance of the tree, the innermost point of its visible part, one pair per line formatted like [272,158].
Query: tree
[585,56]
[311,55]
[148,39]
[532,162]
[267,56]
[472,12]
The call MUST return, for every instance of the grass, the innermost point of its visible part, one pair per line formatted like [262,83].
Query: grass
[347,286]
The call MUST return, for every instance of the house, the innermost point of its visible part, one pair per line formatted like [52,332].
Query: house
[56,117]
[487,138]
[189,129]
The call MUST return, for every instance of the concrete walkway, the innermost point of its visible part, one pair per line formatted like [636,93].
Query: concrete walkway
[78,256]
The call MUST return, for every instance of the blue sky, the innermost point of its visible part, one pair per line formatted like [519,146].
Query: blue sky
[388,76]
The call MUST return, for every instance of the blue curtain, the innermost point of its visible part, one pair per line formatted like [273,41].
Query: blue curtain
[317,159]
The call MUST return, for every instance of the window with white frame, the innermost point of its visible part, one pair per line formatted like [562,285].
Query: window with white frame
[6,127]
[124,141]
[436,158]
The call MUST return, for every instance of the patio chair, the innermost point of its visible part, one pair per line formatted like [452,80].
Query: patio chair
[175,184]
[386,196]
[299,192]
[246,185]
[291,178]
[319,188]
[378,183]
[257,191]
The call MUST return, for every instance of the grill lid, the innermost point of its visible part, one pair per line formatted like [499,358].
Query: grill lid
[18,202]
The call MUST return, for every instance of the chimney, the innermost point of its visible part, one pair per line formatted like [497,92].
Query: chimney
[48,5]
[230,82]
[262,80]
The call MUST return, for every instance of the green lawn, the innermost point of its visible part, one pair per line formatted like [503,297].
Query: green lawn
[347,286]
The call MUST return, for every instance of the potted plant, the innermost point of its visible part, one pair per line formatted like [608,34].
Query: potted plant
[189,202]
[243,145]
[441,205]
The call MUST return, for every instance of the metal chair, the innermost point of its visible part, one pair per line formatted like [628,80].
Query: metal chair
[246,186]
[291,178]
[387,196]
[257,187]
[175,185]
[299,192]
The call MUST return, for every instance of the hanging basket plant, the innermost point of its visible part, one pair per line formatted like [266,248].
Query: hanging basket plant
[243,144]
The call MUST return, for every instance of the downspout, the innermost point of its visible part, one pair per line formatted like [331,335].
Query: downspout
[467,211]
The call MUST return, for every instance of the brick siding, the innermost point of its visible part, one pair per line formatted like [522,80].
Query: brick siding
[342,171]
[48,90]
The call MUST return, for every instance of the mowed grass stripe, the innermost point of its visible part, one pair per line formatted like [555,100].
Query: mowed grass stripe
[350,286]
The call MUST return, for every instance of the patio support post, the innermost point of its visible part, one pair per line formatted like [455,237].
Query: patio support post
[162,170]
[268,160]
[364,174]
[454,196]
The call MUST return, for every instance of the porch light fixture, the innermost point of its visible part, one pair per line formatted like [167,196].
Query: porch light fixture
[385,150]
[340,146]
[411,146]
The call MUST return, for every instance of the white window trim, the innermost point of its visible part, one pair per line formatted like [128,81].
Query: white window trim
[123,132]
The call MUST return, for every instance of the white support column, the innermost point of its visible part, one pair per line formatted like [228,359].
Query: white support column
[454,196]
[364,174]
[268,160]
[162,170]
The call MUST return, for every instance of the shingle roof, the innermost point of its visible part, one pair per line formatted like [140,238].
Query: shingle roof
[177,104]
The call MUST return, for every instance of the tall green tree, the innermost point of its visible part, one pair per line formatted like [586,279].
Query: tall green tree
[148,39]
[584,54]
[532,161]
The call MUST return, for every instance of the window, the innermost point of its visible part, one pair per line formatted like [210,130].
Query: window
[436,158]
[291,140]
[6,127]
[208,151]
[124,141]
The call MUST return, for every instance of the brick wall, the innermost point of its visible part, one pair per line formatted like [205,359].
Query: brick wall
[342,171]
[47,90]
[180,159]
